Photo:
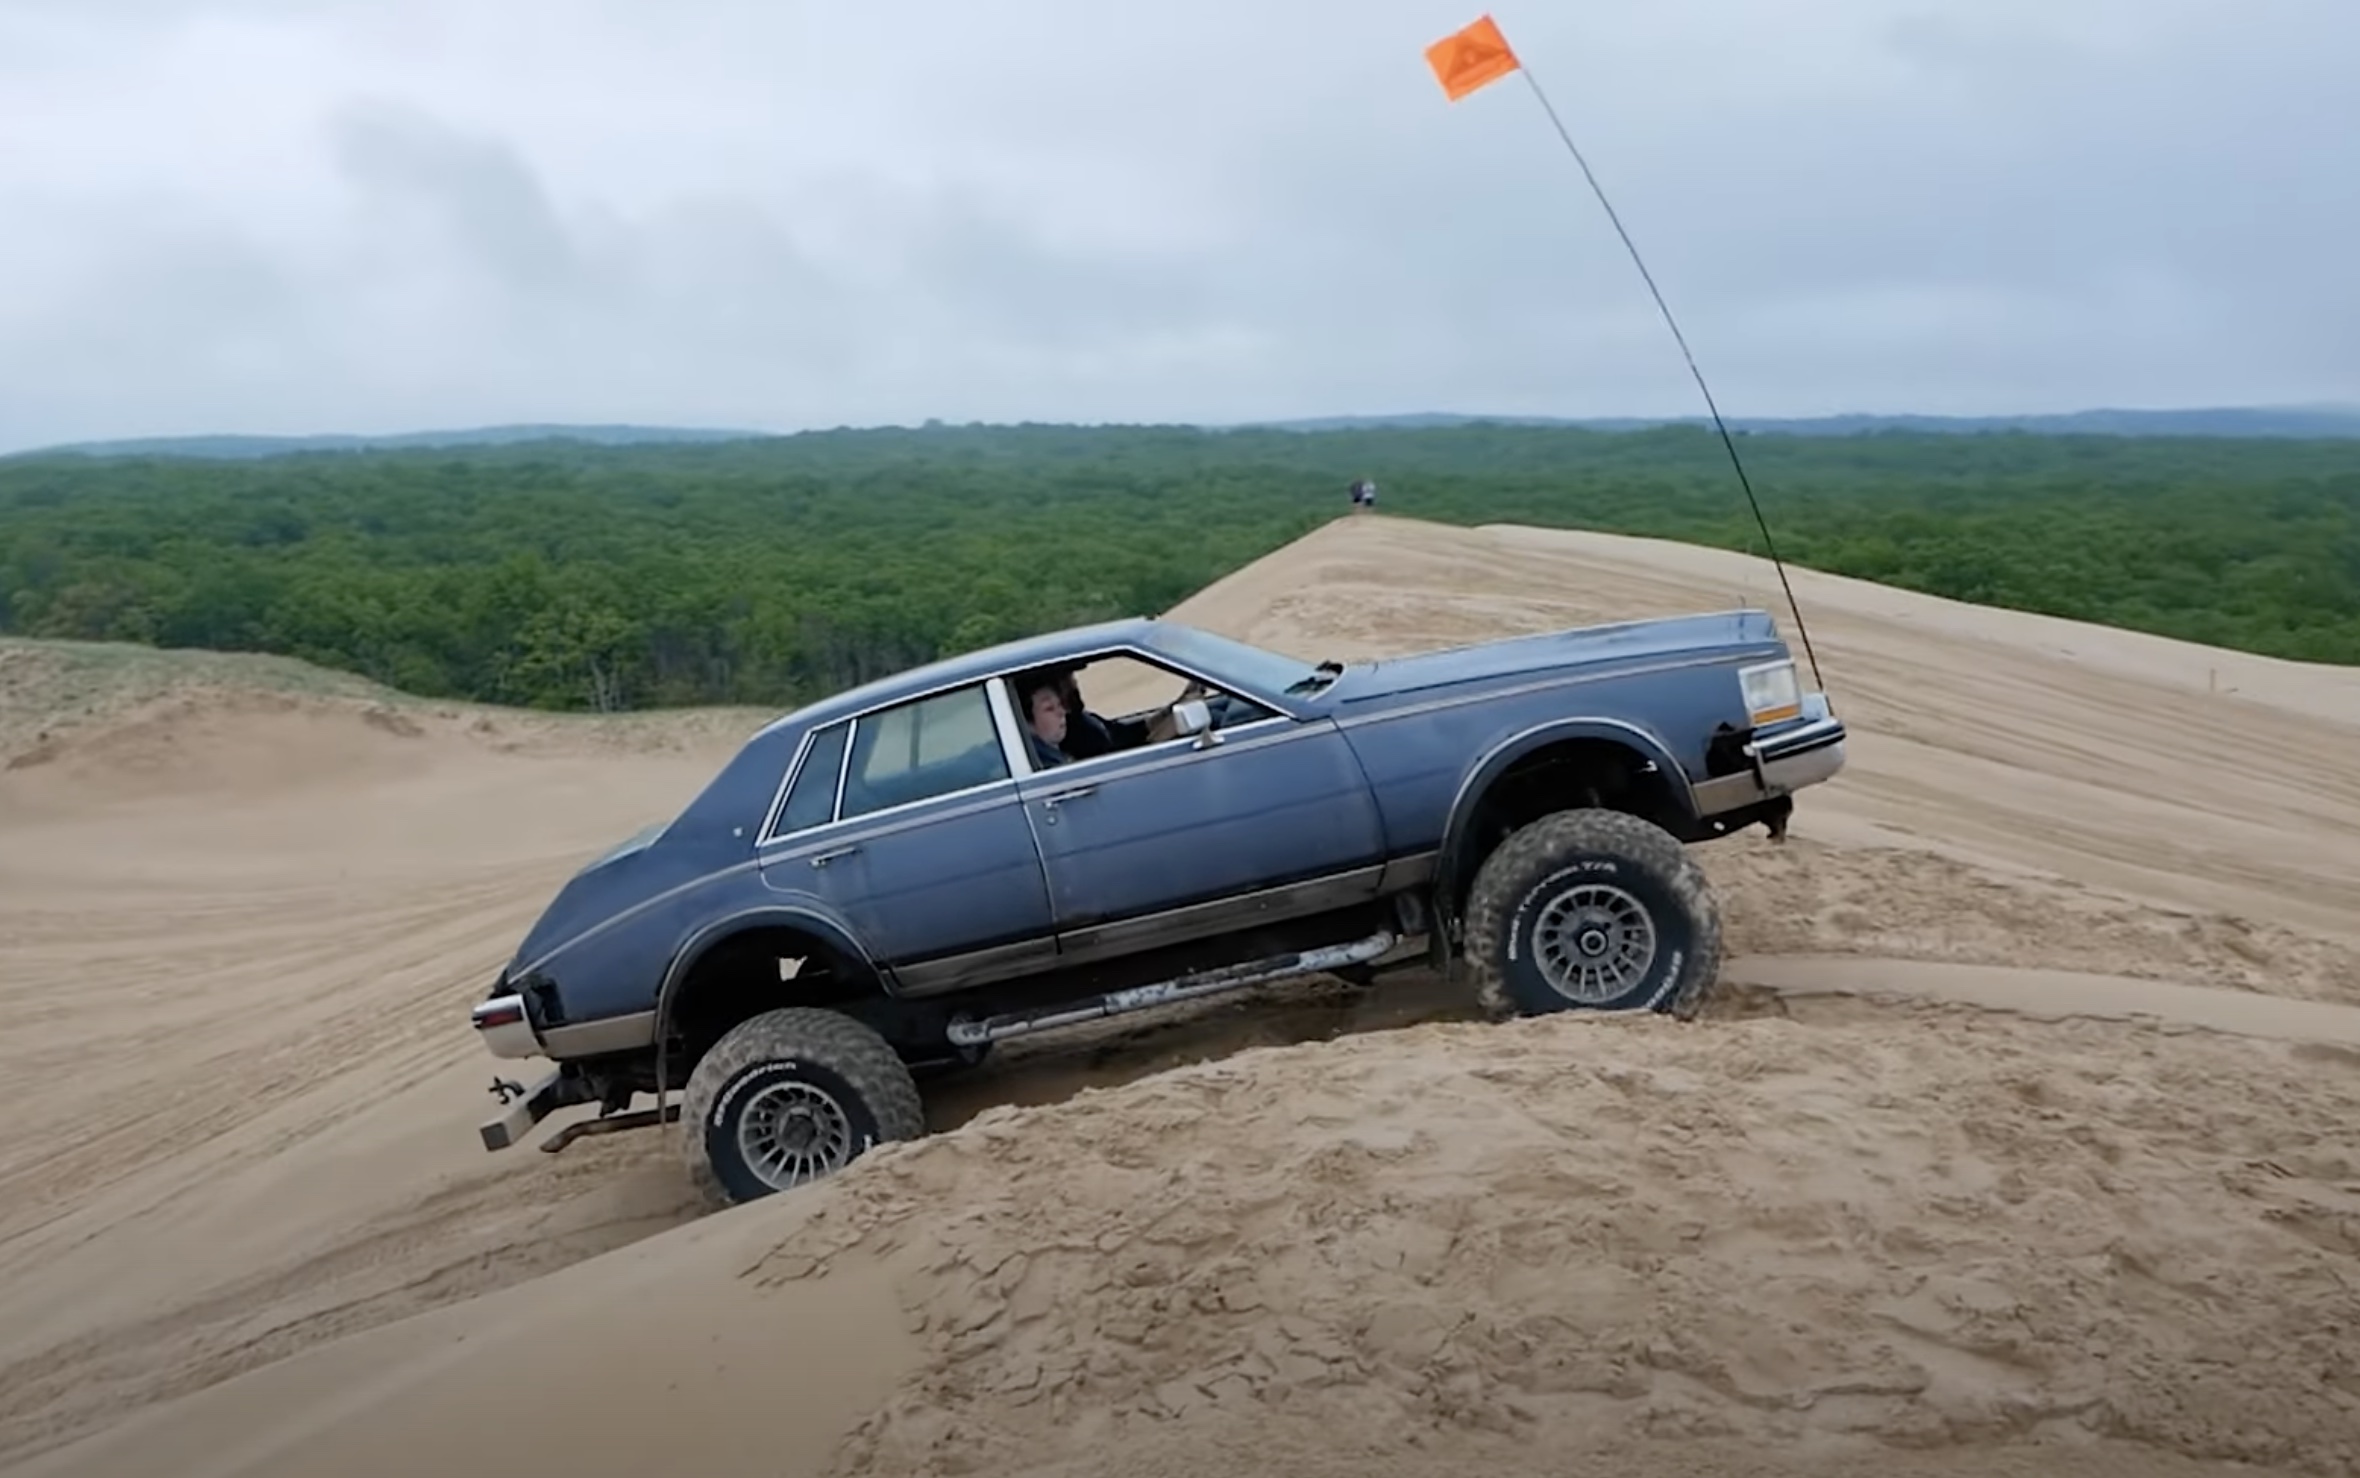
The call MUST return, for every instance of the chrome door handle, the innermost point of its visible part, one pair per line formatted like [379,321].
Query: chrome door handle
[1069,795]
[824,858]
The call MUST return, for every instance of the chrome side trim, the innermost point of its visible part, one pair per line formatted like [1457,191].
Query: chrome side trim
[512,1034]
[1413,871]
[869,827]
[1220,915]
[977,967]
[597,1038]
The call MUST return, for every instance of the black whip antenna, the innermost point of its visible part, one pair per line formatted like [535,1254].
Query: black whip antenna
[1478,55]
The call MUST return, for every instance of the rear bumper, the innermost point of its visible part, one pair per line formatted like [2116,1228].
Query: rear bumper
[1809,753]
[555,1091]
[506,1028]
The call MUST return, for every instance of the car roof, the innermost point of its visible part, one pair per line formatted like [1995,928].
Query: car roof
[966,667]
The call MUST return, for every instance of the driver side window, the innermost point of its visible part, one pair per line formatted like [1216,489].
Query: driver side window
[1126,704]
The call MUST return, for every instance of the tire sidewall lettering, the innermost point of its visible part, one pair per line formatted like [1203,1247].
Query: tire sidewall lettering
[746,1078]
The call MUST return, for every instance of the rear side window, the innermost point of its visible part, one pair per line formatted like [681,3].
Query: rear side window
[921,750]
[812,800]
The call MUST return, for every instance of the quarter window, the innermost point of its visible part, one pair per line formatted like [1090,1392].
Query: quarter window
[921,750]
[812,799]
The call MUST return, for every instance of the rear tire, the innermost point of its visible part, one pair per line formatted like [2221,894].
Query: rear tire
[1591,910]
[790,1097]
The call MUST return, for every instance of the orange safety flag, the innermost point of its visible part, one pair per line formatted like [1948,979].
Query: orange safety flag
[1474,57]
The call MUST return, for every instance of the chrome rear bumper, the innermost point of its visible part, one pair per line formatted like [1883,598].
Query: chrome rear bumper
[505,1029]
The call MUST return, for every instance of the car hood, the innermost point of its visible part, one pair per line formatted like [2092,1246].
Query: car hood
[1739,632]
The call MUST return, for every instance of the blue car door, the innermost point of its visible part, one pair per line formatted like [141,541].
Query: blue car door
[913,836]
[1181,839]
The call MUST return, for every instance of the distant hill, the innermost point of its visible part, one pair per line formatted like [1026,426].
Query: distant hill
[248,448]
[2329,422]
[2291,421]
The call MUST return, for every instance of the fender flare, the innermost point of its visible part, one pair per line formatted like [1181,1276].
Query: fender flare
[1494,762]
[811,918]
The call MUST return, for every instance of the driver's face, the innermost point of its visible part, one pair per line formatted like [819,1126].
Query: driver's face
[1048,715]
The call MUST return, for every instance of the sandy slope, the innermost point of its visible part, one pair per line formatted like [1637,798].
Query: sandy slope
[2012,741]
[239,935]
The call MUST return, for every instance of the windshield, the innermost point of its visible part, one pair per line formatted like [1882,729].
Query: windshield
[1250,668]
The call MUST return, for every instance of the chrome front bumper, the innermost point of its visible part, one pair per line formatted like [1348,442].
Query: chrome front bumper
[1780,763]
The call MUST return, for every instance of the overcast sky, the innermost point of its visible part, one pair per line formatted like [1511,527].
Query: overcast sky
[309,215]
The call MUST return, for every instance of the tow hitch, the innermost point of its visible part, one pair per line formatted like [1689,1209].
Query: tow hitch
[525,1107]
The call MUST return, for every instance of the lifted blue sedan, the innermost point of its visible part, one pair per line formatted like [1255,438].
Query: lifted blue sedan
[890,880]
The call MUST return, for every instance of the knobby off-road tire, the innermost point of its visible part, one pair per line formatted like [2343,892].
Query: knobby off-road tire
[1600,889]
[789,1097]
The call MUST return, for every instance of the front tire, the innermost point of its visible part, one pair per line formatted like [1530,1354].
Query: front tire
[1591,910]
[790,1097]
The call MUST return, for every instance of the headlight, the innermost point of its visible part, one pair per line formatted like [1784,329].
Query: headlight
[1772,693]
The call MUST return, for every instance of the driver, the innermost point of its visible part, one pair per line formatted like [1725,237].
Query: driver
[1086,734]
[1046,732]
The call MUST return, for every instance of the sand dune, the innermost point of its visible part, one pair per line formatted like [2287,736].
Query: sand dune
[1884,1207]
[2015,742]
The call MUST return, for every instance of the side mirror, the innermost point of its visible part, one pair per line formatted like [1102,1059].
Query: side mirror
[1192,716]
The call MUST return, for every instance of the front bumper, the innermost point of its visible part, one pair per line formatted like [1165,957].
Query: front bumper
[1807,752]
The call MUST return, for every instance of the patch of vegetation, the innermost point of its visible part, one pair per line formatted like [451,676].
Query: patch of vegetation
[770,571]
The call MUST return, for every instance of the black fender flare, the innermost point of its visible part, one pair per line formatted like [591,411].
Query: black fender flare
[1449,861]
[807,917]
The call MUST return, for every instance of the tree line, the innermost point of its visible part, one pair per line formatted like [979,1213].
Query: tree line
[773,571]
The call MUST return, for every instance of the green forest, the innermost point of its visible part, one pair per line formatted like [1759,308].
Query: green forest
[774,570]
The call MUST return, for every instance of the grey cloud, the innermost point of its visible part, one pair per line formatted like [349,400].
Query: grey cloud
[476,187]
[271,215]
